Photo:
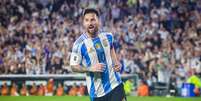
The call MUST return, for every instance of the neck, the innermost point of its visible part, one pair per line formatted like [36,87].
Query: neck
[92,35]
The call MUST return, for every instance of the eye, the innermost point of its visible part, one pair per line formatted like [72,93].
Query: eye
[92,19]
[86,19]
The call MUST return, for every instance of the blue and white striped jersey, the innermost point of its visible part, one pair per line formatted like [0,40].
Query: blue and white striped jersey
[89,51]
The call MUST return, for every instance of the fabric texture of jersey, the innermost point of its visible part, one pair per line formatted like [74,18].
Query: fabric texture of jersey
[89,51]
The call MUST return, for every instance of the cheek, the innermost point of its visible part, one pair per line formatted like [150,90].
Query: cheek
[85,24]
[98,23]
[95,23]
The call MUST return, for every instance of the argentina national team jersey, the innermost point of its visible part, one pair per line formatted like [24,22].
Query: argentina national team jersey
[89,51]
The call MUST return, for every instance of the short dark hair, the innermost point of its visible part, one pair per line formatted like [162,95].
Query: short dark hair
[90,10]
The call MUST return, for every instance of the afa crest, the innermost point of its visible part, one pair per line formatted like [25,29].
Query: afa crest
[98,45]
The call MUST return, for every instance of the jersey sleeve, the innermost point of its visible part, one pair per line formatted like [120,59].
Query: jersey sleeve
[110,39]
[76,58]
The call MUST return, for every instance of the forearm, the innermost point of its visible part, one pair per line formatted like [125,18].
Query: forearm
[116,63]
[78,68]
[114,57]
[99,67]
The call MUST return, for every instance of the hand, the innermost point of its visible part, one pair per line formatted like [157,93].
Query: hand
[117,67]
[99,67]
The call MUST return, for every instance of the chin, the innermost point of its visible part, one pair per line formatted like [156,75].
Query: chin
[91,31]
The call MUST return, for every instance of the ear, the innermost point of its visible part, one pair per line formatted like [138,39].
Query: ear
[99,22]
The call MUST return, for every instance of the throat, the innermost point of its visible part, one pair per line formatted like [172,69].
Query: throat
[93,35]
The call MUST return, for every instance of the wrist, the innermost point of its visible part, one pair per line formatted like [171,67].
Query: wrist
[89,69]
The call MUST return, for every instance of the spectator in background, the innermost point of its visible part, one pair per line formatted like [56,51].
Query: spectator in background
[73,90]
[24,91]
[14,90]
[41,90]
[4,89]
[21,68]
[143,89]
[50,87]
[81,90]
[60,90]
[33,90]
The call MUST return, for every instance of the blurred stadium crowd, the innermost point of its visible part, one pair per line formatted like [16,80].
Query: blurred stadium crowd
[48,89]
[157,39]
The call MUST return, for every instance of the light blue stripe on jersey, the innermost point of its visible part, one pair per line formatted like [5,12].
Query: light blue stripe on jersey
[88,62]
[109,37]
[117,77]
[102,59]
[78,44]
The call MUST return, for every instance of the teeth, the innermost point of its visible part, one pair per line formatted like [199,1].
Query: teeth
[91,27]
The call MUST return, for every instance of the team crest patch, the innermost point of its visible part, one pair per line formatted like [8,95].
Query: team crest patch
[97,45]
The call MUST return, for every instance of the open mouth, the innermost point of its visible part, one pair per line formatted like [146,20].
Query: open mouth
[91,27]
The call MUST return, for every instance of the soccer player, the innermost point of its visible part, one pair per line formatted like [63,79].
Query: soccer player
[93,53]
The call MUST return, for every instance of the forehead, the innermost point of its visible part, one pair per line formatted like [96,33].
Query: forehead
[90,15]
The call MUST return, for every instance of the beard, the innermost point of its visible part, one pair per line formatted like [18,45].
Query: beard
[92,30]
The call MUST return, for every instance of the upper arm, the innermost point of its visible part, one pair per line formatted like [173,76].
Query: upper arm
[76,57]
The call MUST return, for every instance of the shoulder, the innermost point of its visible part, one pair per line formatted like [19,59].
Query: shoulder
[107,33]
[79,42]
[80,39]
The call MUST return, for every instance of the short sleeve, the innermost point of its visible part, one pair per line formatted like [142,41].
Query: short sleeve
[110,39]
[76,58]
